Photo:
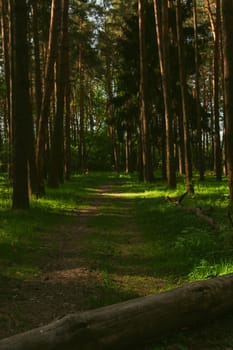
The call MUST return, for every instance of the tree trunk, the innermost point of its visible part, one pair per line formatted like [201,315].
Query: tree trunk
[216,29]
[7,31]
[22,110]
[38,78]
[183,90]
[147,171]
[132,324]
[217,146]
[162,32]
[82,143]
[56,171]
[197,97]
[47,93]
[67,125]
[227,14]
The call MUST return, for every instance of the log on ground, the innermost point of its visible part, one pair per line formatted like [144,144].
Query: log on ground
[132,323]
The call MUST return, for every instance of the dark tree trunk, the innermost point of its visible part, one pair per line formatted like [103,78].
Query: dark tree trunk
[162,31]
[183,89]
[22,110]
[67,126]
[56,173]
[217,146]
[47,93]
[7,44]
[227,14]
[82,143]
[199,149]
[38,78]
[147,171]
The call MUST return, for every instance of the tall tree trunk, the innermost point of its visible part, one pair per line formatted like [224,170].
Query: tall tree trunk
[162,32]
[82,145]
[56,173]
[216,30]
[227,15]
[67,123]
[38,78]
[47,93]
[217,146]
[197,96]
[109,106]
[7,32]
[128,152]
[22,109]
[183,90]
[147,171]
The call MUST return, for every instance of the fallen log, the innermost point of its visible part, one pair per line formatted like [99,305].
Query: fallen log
[199,212]
[132,323]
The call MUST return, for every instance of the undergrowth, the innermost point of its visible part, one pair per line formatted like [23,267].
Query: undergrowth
[138,243]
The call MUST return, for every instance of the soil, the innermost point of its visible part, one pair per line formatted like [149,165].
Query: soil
[66,285]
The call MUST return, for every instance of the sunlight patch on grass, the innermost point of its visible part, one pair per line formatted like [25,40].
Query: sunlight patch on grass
[207,269]
[143,194]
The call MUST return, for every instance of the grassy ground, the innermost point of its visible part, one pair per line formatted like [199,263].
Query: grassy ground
[102,239]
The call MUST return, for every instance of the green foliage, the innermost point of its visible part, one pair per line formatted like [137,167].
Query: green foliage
[99,152]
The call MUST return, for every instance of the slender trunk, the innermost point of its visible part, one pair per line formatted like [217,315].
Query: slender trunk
[217,147]
[7,44]
[67,134]
[183,90]
[197,96]
[22,110]
[47,93]
[56,173]
[147,170]
[227,15]
[38,78]
[162,31]
[82,146]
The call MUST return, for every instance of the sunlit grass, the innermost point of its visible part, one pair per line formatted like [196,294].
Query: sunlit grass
[137,233]
[137,243]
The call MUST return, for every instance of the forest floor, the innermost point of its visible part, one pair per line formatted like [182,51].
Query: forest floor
[70,280]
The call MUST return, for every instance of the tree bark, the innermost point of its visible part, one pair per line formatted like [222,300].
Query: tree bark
[227,14]
[197,97]
[56,170]
[216,30]
[38,78]
[133,323]
[162,32]
[7,43]
[147,171]
[183,90]
[22,115]
[47,93]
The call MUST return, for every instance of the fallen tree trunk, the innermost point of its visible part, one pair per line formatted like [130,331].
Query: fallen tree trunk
[199,212]
[131,323]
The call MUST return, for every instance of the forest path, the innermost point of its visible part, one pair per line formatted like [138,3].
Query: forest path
[70,278]
[67,282]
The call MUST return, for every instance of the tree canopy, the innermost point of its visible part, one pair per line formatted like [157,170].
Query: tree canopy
[101,85]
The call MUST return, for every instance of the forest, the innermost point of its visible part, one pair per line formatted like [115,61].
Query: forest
[116,140]
[112,85]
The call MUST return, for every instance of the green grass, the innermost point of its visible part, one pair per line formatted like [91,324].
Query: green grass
[167,242]
[21,233]
[138,243]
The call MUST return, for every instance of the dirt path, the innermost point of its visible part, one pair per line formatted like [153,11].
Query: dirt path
[63,285]
[69,284]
